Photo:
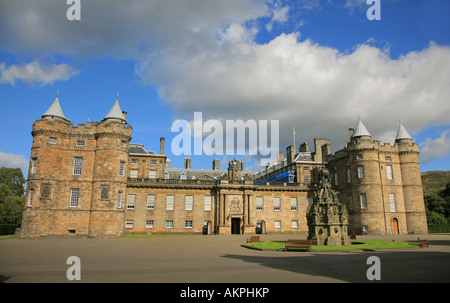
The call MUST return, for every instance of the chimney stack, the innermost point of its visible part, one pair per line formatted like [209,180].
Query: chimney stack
[161,145]
[187,163]
[351,131]
[216,164]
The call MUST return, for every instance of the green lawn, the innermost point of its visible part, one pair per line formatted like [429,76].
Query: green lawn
[368,245]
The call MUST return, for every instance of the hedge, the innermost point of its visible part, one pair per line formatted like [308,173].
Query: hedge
[7,229]
[439,228]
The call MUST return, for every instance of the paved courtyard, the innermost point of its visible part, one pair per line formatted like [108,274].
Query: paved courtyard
[214,259]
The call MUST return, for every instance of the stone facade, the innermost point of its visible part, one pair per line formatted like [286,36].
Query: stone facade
[90,181]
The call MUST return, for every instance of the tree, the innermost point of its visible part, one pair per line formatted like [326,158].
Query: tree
[11,195]
[13,178]
[11,210]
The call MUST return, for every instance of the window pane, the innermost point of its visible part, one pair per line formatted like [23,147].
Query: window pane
[77,165]
[170,202]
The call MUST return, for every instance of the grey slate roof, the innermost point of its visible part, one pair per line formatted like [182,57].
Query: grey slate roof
[402,133]
[55,110]
[115,112]
[361,130]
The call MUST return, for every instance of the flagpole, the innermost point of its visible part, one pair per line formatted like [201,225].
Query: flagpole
[294,138]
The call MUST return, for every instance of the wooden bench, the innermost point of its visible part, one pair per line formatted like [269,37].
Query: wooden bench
[253,239]
[422,242]
[293,243]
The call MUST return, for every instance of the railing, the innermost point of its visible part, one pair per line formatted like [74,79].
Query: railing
[170,181]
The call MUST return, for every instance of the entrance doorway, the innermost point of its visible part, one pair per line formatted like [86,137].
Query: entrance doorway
[395,226]
[235,226]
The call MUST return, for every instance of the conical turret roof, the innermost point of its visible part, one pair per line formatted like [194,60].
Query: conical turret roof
[116,112]
[402,133]
[361,130]
[55,110]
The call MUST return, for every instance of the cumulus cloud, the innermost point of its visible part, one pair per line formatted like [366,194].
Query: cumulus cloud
[35,73]
[437,148]
[13,161]
[203,56]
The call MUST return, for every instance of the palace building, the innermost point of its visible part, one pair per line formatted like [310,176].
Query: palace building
[91,181]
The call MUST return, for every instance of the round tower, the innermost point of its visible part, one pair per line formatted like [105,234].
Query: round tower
[110,175]
[412,182]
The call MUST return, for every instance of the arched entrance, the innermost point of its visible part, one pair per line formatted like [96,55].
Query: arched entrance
[395,228]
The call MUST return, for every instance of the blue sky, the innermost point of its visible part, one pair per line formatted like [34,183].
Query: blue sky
[312,64]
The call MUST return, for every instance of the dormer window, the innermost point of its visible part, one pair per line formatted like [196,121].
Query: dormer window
[183,176]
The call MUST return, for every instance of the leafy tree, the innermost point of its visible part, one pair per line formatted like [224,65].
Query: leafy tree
[11,210]
[13,178]
[11,195]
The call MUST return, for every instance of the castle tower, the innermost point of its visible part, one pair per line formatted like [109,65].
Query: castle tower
[412,182]
[75,176]
[109,182]
[58,187]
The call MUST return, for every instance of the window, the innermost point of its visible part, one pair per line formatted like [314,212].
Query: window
[152,174]
[350,203]
[121,168]
[359,156]
[306,179]
[277,224]
[360,172]
[153,162]
[119,199]
[293,204]
[349,176]
[123,144]
[294,224]
[259,204]
[33,166]
[389,172]
[189,202]
[388,158]
[336,182]
[74,195]
[169,223]
[129,224]
[52,140]
[133,173]
[188,224]
[276,204]
[208,203]
[30,201]
[310,201]
[392,203]
[183,176]
[149,224]
[134,161]
[166,175]
[77,165]
[305,168]
[80,143]
[150,201]
[131,201]
[170,200]
[365,229]
[363,199]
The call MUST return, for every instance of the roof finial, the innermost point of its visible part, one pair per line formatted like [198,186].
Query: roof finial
[57,93]
[117,95]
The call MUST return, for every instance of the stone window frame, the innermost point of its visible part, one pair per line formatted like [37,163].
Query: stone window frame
[151,202]
[31,198]
[276,203]
[294,207]
[131,201]
[77,166]
[189,205]
[74,197]
[207,203]
[170,202]
[259,207]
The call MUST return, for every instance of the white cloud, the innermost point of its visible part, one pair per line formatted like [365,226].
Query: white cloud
[437,148]
[13,161]
[34,73]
